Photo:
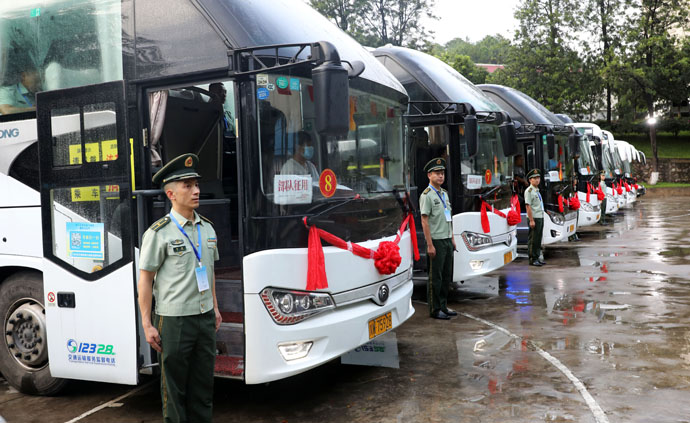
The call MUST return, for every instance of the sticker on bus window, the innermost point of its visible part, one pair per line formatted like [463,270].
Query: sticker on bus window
[85,240]
[292,189]
[474,181]
[282,82]
[554,176]
[262,79]
[327,183]
[262,93]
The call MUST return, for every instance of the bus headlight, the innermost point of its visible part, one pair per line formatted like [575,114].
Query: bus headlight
[474,241]
[556,218]
[586,206]
[288,307]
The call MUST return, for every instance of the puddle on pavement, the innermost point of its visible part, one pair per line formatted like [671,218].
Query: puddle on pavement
[379,352]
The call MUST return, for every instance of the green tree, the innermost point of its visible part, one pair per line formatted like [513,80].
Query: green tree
[379,22]
[652,64]
[490,49]
[465,66]
[344,13]
[544,63]
[603,23]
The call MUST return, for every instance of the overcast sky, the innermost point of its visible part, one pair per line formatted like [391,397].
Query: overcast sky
[473,19]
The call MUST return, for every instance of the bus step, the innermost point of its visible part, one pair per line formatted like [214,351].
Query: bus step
[229,366]
[232,317]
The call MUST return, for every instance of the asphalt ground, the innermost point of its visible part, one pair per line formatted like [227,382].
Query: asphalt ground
[599,334]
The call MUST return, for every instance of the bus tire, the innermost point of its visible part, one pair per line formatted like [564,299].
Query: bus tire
[24,359]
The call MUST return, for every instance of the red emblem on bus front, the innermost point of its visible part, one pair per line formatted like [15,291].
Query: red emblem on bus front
[327,183]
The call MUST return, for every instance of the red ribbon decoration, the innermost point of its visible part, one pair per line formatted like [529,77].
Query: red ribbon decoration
[620,189]
[386,257]
[513,216]
[600,194]
[560,203]
[637,187]
[574,203]
[589,187]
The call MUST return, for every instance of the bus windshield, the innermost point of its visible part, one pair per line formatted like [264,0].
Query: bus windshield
[300,167]
[490,167]
[586,162]
[558,168]
[50,45]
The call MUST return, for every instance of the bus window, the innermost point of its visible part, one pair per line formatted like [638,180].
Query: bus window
[294,157]
[53,45]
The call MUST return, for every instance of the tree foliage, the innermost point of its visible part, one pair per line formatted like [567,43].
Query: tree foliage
[492,49]
[653,66]
[465,66]
[379,22]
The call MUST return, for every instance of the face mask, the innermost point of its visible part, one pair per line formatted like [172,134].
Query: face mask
[308,152]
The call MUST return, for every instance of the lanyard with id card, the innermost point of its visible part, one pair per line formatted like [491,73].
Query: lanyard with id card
[446,212]
[200,272]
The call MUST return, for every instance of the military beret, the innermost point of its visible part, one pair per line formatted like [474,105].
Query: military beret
[178,169]
[534,173]
[435,164]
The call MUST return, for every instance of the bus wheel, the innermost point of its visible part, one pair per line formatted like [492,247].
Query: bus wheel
[24,353]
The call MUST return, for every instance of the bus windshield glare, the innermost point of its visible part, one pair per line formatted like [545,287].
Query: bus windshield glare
[54,45]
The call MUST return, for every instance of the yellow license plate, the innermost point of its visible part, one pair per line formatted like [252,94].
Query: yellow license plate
[380,324]
[507,257]
[572,228]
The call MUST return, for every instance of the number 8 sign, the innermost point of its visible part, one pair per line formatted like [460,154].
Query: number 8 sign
[327,183]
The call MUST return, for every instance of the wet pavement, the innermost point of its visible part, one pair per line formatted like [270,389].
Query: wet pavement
[611,311]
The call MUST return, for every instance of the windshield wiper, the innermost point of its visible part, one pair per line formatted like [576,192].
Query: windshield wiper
[333,207]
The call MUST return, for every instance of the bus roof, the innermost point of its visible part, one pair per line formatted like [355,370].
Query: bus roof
[520,106]
[441,81]
[254,23]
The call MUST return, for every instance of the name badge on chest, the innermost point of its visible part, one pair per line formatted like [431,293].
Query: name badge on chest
[448,216]
[201,278]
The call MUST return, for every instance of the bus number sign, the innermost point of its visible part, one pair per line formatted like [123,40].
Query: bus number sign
[327,183]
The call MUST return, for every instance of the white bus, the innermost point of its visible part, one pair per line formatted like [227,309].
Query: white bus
[122,96]
[453,118]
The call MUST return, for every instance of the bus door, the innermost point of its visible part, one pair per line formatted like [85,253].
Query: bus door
[86,208]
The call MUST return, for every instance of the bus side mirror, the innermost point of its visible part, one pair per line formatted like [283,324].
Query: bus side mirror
[508,138]
[331,91]
[574,144]
[551,146]
[471,135]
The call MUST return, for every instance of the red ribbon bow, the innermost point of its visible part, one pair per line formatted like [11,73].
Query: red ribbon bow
[386,257]
[513,216]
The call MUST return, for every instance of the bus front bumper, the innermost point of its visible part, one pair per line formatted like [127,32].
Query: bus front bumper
[468,264]
[331,333]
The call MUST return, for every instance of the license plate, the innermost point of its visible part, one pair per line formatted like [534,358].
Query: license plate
[380,324]
[572,228]
[507,257]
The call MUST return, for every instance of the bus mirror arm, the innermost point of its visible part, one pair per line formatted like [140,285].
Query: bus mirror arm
[356,68]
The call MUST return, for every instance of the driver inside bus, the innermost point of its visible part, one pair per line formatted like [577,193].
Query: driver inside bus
[21,97]
[300,163]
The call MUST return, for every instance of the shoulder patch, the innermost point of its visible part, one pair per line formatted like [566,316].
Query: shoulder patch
[426,190]
[205,219]
[160,223]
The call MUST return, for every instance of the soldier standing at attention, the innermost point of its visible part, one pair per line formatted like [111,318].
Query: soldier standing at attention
[176,265]
[602,187]
[535,214]
[434,205]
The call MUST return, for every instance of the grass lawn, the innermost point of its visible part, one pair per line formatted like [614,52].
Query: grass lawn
[668,185]
[668,146]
